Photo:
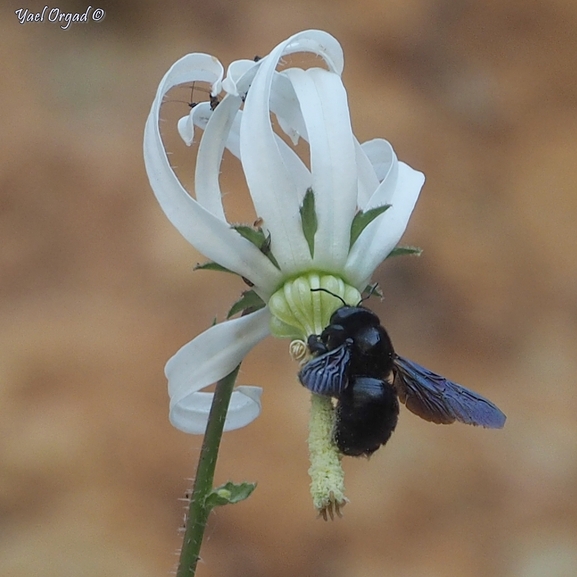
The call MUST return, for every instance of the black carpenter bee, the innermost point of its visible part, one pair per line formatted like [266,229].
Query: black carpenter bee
[354,362]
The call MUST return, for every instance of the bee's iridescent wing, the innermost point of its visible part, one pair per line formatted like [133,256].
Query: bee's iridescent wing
[436,399]
[327,374]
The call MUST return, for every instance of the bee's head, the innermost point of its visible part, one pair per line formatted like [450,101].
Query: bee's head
[353,318]
[350,318]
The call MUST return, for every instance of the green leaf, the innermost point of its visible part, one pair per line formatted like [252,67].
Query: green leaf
[258,238]
[248,303]
[403,250]
[309,219]
[363,219]
[229,493]
[265,249]
[210,265]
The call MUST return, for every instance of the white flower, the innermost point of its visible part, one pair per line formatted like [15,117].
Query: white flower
[345,177]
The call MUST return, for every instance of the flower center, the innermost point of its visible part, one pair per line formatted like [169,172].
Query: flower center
[299,311]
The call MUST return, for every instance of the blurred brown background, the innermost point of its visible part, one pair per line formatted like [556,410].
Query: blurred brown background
[97,291]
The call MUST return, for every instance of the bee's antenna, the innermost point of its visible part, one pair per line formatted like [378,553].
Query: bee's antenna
[192,104]
[333,294]
[372,290]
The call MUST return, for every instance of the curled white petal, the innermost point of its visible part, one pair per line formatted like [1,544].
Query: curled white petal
[387,170]
[276,196]
[274,192]
[380,237]
[285,105]
[367,177]
[381,155]
[323,102]
[199,116]
[209,157]
[235,72]
[208,358]
[191,414]
[317,42]
[207,232]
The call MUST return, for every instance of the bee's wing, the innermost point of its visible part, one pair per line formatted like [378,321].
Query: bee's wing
[327,374]
[439,400]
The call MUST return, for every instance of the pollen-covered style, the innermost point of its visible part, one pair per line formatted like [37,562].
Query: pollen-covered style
[328,222]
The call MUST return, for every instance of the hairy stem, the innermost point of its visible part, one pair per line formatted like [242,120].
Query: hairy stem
[198,511]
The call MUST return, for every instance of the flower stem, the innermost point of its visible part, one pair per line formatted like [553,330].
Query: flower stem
[198,511]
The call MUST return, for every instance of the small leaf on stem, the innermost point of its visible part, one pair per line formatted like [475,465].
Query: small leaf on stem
[229,493]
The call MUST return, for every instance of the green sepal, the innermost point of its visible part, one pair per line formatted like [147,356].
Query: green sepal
[403,250]
[229,493]
[309,219]
[363,218]
[254,235]
[210,265]
[248,303]
[258,238]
